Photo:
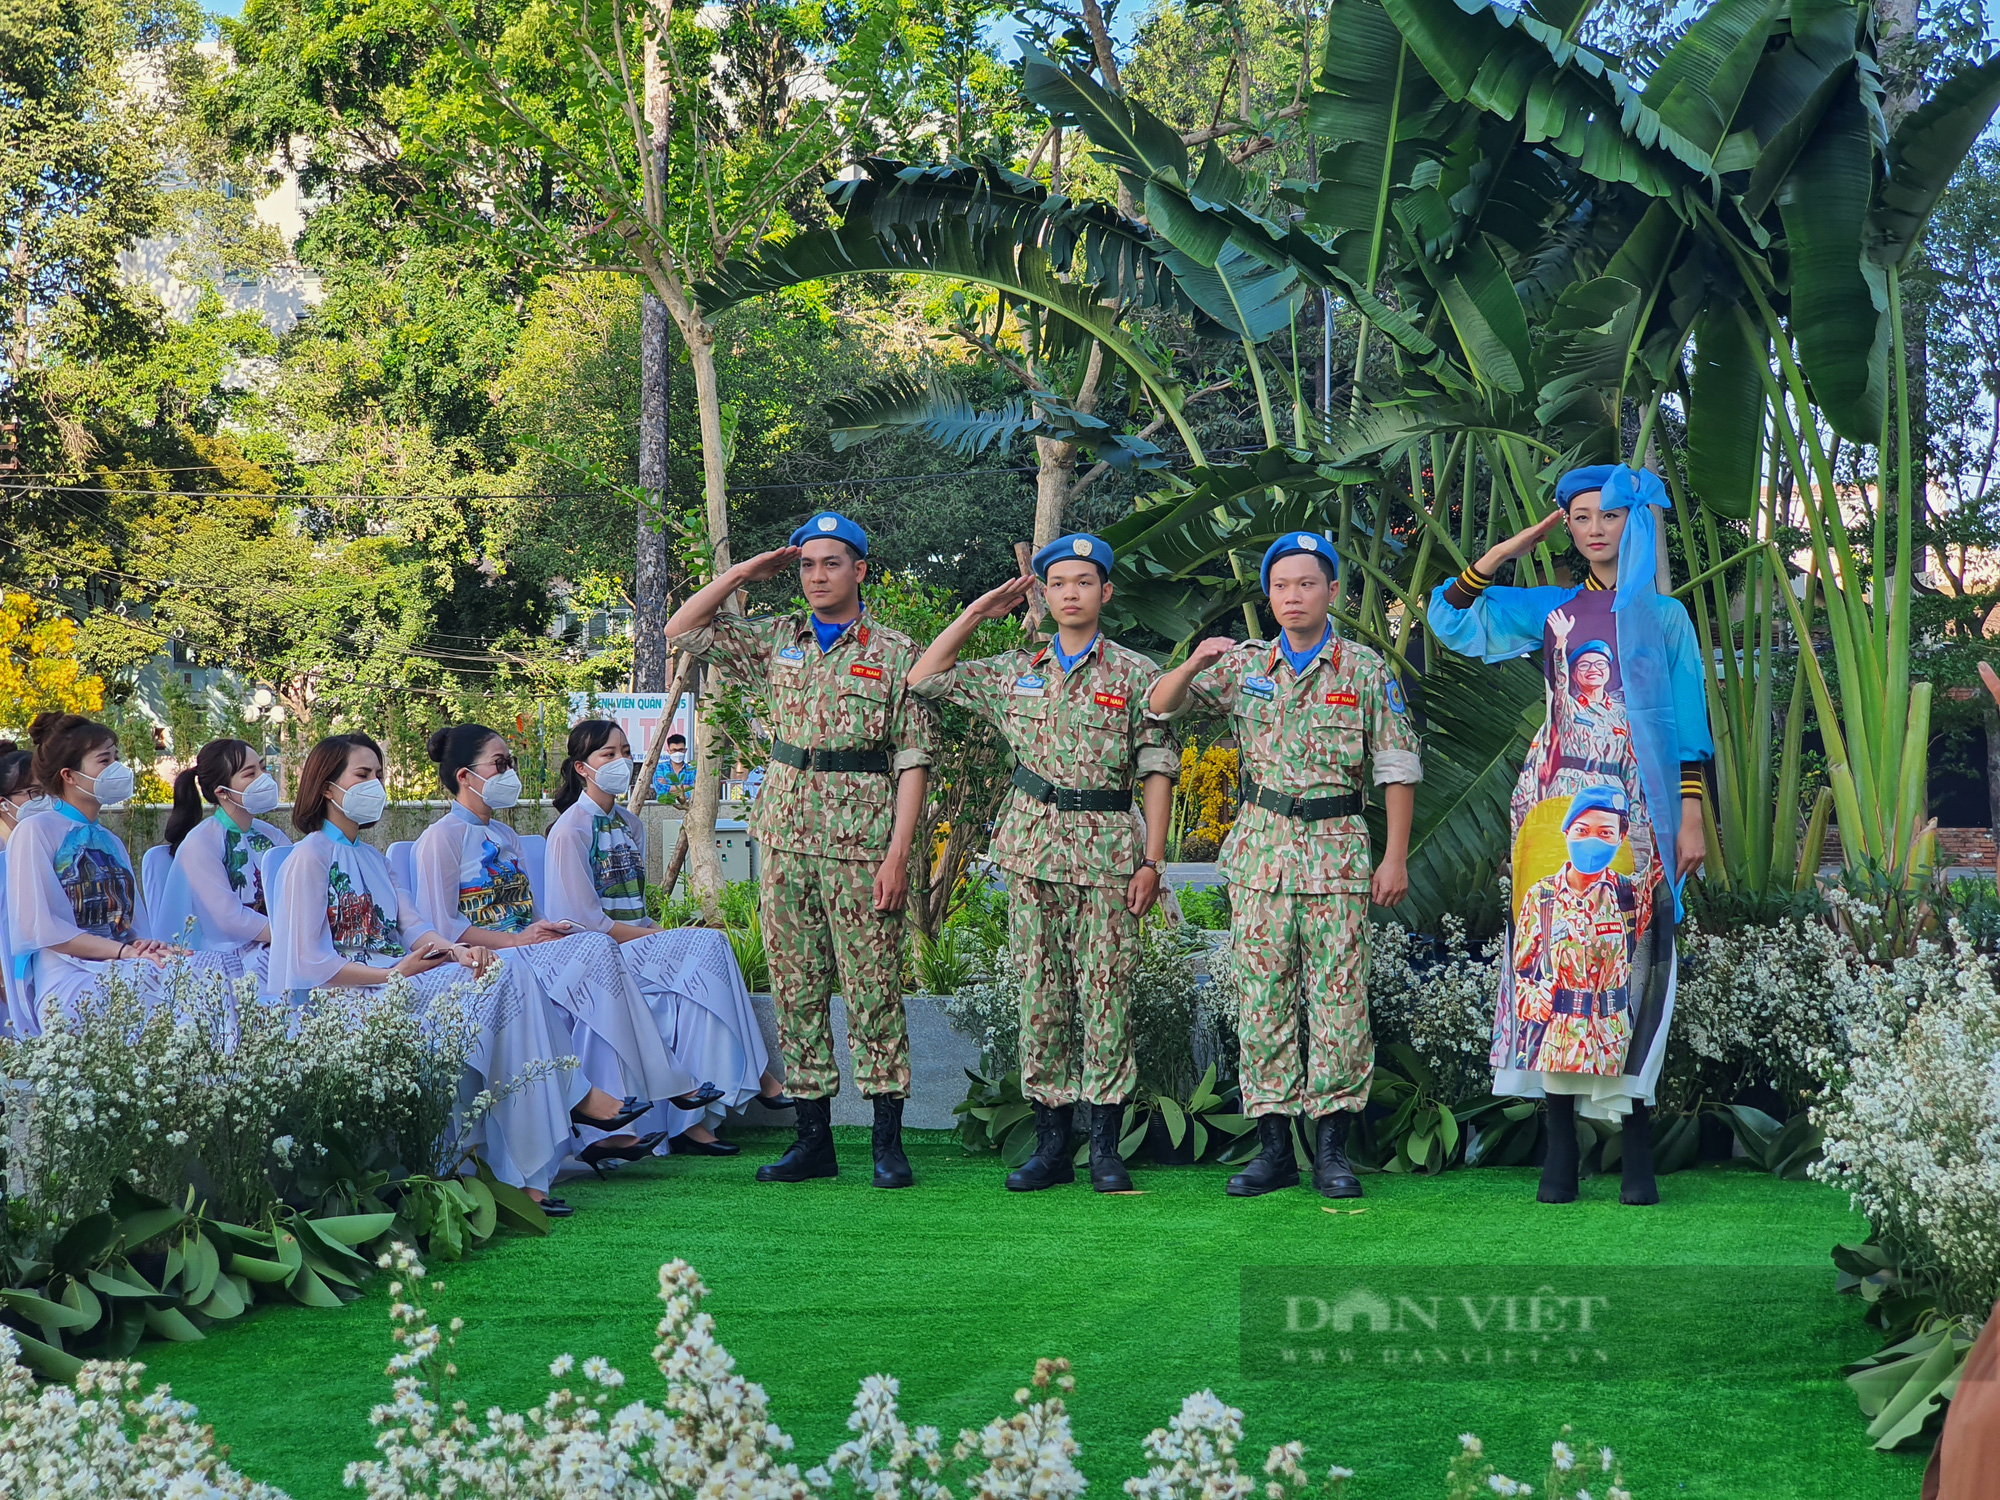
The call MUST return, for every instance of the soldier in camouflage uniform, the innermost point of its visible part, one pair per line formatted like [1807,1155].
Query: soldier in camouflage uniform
[839,809]
[1074,713]
[1307,711]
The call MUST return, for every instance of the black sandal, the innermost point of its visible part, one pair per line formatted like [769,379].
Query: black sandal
[595,1156]
[555,1208]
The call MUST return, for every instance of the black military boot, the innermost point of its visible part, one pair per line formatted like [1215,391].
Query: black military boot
[1559,1167]
[1333,1173]
[811,1153]
[1639,1185]
[892,1168]
[1054,1160]
[1274,1166]
[1107,1167]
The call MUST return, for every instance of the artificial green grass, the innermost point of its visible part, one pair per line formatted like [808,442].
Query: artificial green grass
[956,1287]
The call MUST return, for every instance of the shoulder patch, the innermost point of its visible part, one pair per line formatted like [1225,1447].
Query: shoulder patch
[1395,691]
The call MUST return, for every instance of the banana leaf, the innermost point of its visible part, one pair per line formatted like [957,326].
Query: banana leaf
[1926,150]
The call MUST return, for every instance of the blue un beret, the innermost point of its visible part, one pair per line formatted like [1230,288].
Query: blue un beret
[1079,544]
[1603,797]
[1577,481]
[1310,543]
[831,523]
[1600,647]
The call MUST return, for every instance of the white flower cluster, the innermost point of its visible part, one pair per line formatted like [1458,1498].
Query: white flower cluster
[1912,1121]
[1437,998]
[99,1437]
[123,1092]
[1570,1474]
[1763,1001]
[1194,1458]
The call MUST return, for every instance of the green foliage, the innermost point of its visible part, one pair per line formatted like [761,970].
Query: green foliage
[1206,907]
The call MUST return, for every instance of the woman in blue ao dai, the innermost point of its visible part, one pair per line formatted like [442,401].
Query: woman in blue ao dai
[214,899]
[595,879]
[1606,815]
[75,918]
[472,886]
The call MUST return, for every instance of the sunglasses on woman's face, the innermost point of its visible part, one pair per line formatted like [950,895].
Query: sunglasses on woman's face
[502,764]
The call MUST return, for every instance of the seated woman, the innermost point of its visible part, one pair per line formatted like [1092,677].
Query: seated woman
[472,887]
[596,879]
[74,916]
[214,896]
[343,922]
[20,794]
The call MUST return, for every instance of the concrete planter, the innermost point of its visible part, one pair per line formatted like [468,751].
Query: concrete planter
[939,1057]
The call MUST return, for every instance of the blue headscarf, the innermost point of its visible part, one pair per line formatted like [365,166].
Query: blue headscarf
[1643,665]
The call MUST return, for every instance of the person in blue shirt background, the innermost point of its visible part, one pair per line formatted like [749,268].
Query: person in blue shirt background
[674,776]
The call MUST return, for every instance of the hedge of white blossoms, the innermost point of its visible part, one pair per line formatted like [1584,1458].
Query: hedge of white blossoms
[710,1437]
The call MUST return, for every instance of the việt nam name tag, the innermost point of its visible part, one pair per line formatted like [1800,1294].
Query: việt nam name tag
[1030,685]
[1108,700]
[863,669]
[1343,700]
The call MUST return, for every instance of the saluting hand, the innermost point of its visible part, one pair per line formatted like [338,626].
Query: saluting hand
[1521,543]
[1208,653]
[769,564]
[997,604]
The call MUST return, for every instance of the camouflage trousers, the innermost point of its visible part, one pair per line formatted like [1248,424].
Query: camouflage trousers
[1078,949]
[822,933]
[1309,952]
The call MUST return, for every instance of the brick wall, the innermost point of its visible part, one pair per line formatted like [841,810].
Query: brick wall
[1956,846]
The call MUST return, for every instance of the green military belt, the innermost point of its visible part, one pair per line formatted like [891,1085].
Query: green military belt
[875,761]
[1070,798]
[1311,809]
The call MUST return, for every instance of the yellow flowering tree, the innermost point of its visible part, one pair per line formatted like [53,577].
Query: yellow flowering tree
[39,672]
[1204,800]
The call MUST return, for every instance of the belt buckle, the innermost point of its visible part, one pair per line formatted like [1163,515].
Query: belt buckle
[1066,800]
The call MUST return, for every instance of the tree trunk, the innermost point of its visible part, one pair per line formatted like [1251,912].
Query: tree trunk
[1052,486]
[1897,50]
[704,868]
[651,573]
[651,580]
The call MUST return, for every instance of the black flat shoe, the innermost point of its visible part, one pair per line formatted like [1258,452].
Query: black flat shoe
[701,1098]
[555,1208]
[687,1145]
[595,1156]
[627,1113]
[778,1101]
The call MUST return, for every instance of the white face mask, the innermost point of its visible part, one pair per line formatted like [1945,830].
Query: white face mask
[614,777]
[677,757]
[364,802]
[261,796]
[112,785]
[41,802]
[503,791]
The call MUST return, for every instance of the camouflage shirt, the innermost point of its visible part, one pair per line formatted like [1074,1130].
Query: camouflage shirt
[1307,736]
[851,697]
[1086,728]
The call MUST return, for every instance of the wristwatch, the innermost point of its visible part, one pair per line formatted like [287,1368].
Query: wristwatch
[1149,864]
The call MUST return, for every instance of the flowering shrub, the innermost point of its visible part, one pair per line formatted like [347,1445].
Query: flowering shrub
[1438,998]
[100,1437]
[1591,1473]
[1204,807]
[1760,1002]
[1912,1117]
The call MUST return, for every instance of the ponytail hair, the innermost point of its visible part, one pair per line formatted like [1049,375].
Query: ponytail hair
[585,740]
[214,764]
[455,749]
